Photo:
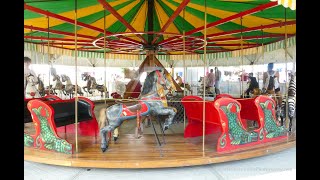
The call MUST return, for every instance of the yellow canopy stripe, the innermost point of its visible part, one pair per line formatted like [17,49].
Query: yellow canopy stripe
[110,20]
[194,20]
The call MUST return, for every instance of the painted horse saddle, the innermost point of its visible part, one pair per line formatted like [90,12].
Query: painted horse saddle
[130,108]
[126,102]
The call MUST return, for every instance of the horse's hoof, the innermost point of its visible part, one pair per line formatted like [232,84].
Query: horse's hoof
[104,149]
[165,128]
[115,139]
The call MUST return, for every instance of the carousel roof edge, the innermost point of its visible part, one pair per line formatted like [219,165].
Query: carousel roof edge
[90,54]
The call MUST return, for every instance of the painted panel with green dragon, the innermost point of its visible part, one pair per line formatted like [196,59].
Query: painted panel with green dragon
[28,140]
[47,135]
[238,135]
[271,129]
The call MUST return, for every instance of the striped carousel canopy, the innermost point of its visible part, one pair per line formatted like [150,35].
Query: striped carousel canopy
[135,26]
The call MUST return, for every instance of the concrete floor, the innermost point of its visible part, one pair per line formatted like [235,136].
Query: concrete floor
[281,165]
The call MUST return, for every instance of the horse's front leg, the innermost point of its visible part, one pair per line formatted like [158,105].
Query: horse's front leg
[90,90]
[171,112]
[54,91]
[104,139]
[116,134]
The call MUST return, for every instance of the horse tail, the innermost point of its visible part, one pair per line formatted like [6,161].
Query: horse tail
[102,120]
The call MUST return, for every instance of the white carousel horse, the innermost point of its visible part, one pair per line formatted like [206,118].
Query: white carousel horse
[31,89]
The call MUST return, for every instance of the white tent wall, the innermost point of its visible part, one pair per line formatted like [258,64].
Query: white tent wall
[253,63]
[276,56]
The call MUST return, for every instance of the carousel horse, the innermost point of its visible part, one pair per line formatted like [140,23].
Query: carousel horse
[253,89]
[186,86]
[31,89]
[277,97]
[41,88]
[149,103]
[59,86]
[92,84]
[69,87]
[208,92]
[49,90]
[291,102]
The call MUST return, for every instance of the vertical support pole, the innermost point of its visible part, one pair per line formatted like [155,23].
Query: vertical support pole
[76,71]
[197,64]
[33,46]
[49,54]
[229,77]
[42,52]
[204,69]
[286,60]
[262,53]
[104,57]
[242,76]
[184,68]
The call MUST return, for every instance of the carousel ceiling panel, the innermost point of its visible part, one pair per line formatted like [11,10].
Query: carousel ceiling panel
[291,29]
[168,23]
[163,18]
[140,16]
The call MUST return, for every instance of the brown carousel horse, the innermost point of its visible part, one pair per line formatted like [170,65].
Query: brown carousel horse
[69,87]
[277,97]
[186,86]
[41,87]
[92,85]
[253,89]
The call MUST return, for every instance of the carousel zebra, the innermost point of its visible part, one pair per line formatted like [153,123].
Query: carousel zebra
[291,102]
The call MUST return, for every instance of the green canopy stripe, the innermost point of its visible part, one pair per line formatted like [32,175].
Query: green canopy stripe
[118,26]
[178,21]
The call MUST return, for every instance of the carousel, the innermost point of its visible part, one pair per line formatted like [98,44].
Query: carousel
[158,116]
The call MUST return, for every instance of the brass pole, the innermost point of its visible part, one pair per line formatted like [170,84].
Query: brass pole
[204,87]
[184,68]
[76,64]
[242,76]
[262,52]
[104,56]
[286,59]
[197,65]
[32,44]
[42,52]
[49,55]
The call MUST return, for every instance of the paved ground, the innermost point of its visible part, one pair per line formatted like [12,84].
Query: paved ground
[281,165]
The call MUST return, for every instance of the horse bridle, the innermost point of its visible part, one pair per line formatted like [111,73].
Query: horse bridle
[160,79]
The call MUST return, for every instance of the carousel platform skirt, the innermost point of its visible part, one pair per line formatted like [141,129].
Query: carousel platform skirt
[129,152]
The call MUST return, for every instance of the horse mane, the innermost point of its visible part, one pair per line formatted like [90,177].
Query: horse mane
[148,83]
